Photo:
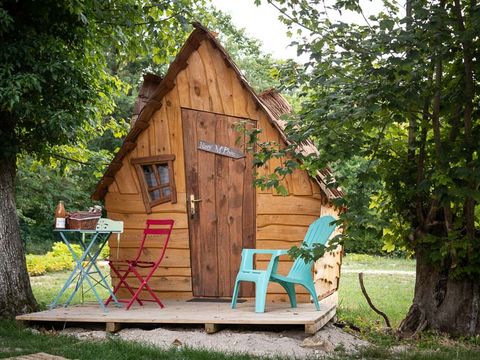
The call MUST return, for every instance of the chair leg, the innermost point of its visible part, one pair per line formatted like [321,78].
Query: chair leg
[155,297]
[290,289]
[236,289]
[143,284]
[121,281]
[311,289]
[260,295]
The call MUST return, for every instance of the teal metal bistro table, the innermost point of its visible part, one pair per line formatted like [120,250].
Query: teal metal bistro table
[92,242]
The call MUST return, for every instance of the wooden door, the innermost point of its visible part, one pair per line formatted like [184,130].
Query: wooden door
[222,222]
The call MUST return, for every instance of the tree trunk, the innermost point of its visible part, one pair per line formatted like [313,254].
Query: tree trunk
[16,295]
[442,303]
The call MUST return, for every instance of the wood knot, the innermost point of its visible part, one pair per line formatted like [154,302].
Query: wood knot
[197,90]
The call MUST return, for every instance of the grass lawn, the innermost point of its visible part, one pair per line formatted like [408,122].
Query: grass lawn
[46,287]
[370,262]
[15,341]
[390,293]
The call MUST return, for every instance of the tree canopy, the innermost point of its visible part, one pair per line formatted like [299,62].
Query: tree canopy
[59,64]
[399,90]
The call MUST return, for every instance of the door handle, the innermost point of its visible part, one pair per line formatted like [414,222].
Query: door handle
[192,205]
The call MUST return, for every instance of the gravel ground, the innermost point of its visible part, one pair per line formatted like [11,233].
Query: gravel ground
[289,343]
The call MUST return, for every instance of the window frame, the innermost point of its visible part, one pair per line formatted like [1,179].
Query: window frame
[153,161]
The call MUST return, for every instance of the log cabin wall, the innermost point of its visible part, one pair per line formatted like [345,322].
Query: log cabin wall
[209,84]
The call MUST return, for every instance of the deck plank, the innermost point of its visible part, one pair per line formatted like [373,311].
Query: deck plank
[181,312]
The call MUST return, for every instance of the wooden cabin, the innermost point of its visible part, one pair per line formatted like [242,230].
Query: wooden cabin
[184,159]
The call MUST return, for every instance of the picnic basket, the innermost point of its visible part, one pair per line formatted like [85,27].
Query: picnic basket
[83,220]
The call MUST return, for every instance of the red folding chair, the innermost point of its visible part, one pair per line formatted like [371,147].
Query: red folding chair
[154,227]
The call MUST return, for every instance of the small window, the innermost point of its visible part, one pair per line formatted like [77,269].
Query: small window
[155,174]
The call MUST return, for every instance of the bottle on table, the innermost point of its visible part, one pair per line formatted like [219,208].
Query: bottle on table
[60,216]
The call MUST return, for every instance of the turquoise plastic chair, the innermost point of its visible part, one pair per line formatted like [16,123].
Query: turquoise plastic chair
[301,273]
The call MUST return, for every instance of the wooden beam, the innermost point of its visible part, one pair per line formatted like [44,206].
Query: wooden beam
[212,328]
[112,327]
[312,328]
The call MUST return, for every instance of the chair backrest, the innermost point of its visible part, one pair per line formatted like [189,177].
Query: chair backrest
[162,228]
[318,233]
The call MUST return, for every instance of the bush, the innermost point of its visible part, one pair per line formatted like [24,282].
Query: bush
[105,253]
[58,259]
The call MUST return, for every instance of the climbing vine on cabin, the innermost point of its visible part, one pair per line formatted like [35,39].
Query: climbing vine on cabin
[290,159]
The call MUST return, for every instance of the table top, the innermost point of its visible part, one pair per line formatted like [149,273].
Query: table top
[87,231]
[103,226]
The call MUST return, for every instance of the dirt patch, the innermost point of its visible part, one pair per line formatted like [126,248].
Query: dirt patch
[291,343]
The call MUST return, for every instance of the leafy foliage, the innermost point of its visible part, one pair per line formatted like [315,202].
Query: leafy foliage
[41,186]
[400,93]
[56,260]
[68,76]
[69,172]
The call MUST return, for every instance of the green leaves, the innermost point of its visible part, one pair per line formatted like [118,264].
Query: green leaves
[367,99]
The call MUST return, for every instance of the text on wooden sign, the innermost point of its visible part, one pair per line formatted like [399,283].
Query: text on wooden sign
[220,150]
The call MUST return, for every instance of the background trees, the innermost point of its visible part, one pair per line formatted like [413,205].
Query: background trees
[69,76]
[71,172]
[400,91]
[59,65]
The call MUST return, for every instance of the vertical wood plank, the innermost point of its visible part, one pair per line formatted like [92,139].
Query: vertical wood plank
[152,140]
[113,187]
[264,170]
[125,178]
[248,215]
[224,81]
[215,99]
[176,138]
[127,161]
[240,96]
[206,124]
[183,89]
[301,183]
[162,134]
[191,171]
[197,82]
[223,205]
[143,144]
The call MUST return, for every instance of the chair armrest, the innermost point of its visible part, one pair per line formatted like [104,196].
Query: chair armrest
[247,257]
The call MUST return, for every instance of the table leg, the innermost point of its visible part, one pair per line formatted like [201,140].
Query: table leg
[84,273]
[78,267]
[103,280]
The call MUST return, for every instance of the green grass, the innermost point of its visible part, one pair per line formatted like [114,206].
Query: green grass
[370,262]
[390,293]
[454,352]
[16,341]
[46,287]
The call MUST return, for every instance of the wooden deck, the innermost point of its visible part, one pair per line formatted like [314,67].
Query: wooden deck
[212,315]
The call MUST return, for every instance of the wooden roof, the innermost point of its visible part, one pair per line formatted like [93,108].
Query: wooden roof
[272,103]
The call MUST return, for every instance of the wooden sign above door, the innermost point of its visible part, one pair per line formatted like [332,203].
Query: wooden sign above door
[220,150]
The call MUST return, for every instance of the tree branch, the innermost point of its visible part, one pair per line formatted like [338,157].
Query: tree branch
[369,301]
[447,212]
[62,157]
[469,204]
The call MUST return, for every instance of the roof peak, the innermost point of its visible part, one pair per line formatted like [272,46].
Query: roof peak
[154,101]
